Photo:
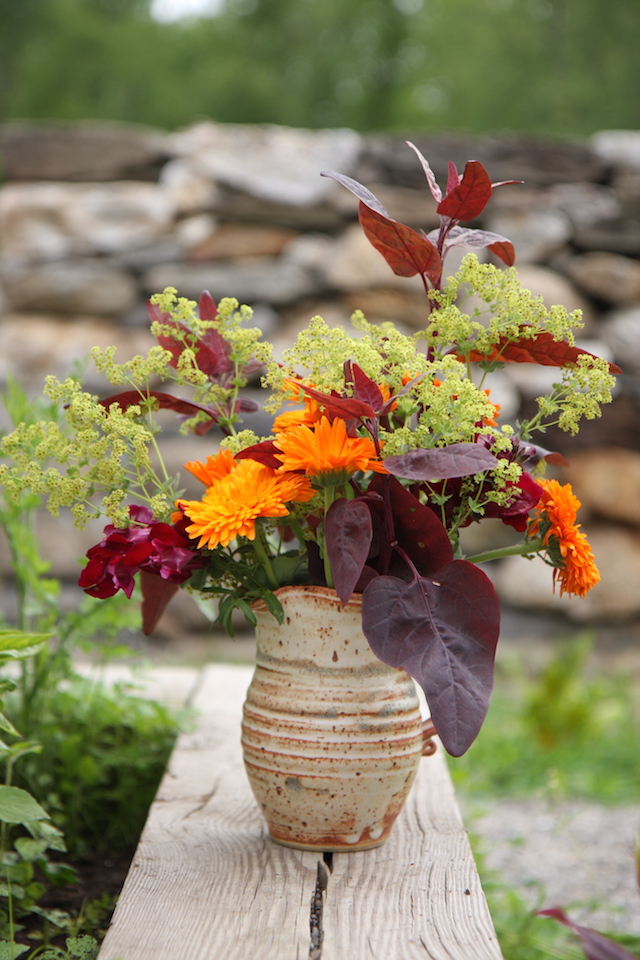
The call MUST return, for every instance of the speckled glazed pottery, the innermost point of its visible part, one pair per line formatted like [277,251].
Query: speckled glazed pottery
[332,737]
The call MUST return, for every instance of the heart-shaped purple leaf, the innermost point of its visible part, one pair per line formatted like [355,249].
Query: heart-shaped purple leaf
[443,631]
[416,528]
[348,532]
[441,463]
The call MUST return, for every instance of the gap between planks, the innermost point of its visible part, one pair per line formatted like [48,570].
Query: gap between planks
[207,882]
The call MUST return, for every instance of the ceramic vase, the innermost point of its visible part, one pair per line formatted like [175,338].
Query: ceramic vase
[332,737]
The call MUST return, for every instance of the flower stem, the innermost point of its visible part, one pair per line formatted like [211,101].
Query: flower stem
[263,556]
[517,550]
[329,493]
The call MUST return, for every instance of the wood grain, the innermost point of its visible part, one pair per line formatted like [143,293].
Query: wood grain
[207,882]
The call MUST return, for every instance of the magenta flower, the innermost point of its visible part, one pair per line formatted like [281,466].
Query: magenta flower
[158,548]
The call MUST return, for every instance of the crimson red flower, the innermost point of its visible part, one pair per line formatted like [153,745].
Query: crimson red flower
[160,548]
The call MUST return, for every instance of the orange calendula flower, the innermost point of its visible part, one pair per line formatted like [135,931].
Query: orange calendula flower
[294,418]
[231,505]
[214,469]
[568,547]
[326,452]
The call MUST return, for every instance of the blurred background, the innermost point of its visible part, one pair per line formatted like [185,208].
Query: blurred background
[146,143]
[555,67]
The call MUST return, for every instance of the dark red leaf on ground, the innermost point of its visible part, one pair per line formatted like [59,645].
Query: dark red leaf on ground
[471,195]
[541,349]
[156,594]
[595,945]
[443,631]
[348,532]
[441,463]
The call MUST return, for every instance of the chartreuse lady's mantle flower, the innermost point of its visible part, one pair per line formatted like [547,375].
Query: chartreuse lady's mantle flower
[326,453]
[568,548]
[233,503]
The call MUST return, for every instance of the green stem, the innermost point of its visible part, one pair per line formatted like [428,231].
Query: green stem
[517,550]
[263,556]
[329,493]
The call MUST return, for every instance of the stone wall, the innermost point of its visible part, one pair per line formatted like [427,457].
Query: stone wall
[95,217]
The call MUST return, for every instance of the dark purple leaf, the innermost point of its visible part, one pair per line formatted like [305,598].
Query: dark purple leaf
[245,405]
[264,452]
[207,309]
[441,463]
[468,199]
[165,401]
[443,631]
[347,408]
[156,594]
[348,532]
[365,388]
[595,945]
[416,528]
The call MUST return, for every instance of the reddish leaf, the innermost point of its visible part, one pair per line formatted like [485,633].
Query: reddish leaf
[347,408]
[348,532]
[541,349]
[453,177]
[207,309]
[156,594]
[441,463]
[364,388]
[443,631]
[416,528]
[436,192]
[595,945]
[404,249]
[166,401]
[477,239]
[264,452]
[357,189]
[505,250]
[469,198]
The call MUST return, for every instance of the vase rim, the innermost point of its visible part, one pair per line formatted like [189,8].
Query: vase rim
[309,589]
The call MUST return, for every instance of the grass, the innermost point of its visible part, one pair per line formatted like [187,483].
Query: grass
[566,732]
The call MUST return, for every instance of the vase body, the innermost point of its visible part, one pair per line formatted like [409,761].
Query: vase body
[331,736]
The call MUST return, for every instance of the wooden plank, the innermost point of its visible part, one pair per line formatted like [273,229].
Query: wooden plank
[206,881]
[418,897]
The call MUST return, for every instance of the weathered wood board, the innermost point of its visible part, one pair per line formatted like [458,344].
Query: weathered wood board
[207,882]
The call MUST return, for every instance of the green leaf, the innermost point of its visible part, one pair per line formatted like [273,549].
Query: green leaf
[45,830]
[7,726]
[9,951]
[82,948]
[249,615]
[18,806]
[273,605]
[12,641]
[30,849]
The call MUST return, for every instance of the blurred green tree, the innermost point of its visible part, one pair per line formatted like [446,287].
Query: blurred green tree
[564,67]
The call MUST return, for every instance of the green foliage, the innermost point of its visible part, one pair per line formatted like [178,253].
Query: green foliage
[564,734]
[103,753]
[478,65]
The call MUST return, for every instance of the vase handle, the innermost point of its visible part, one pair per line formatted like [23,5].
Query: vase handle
[428,731]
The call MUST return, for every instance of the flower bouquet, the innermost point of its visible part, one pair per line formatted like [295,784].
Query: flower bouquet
[387,446]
